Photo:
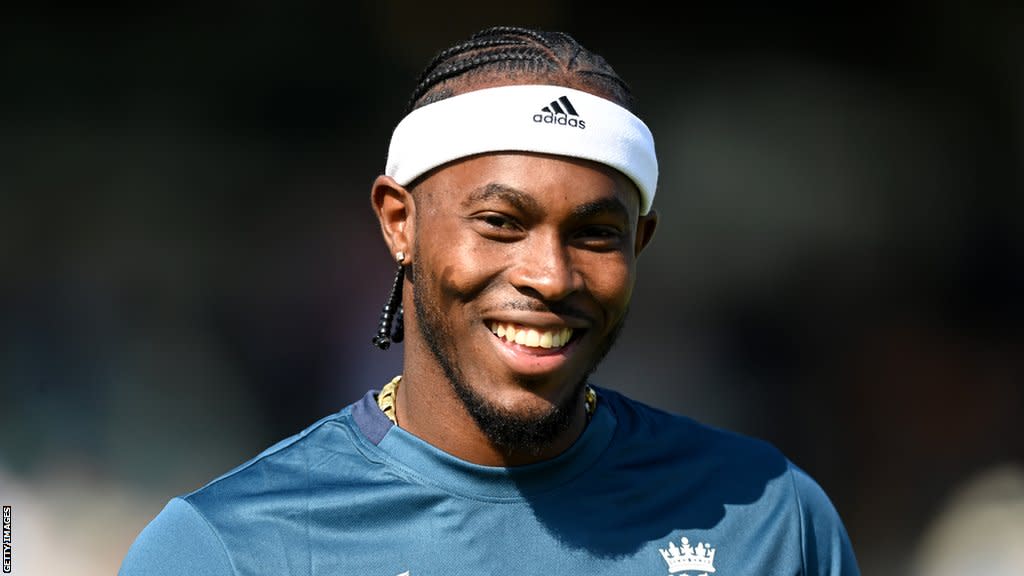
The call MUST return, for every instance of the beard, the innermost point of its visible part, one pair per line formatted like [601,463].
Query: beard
[507,430]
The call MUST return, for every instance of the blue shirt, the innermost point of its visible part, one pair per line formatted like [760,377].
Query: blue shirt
[641,492]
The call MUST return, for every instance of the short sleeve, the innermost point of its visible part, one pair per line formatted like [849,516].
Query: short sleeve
[827,550]
[178,542]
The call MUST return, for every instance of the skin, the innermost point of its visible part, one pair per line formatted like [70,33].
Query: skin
[540,241]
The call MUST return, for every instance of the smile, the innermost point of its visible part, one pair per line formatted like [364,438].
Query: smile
[531,337]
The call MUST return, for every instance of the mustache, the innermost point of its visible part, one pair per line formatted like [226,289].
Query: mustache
[557,308]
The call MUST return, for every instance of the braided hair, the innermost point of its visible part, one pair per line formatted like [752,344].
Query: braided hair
[503,55]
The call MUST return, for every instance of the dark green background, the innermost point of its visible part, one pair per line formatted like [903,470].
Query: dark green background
[190,269]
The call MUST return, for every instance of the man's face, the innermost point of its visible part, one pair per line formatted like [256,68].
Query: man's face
[523,270]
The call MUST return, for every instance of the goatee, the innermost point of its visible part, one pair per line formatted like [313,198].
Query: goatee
[511,432]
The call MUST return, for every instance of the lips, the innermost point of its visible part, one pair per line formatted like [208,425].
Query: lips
[530,336]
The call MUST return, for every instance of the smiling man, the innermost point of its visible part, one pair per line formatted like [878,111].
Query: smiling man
[523,264]
[516,199]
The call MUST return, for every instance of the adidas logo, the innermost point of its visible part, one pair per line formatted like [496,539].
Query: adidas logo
[560,112]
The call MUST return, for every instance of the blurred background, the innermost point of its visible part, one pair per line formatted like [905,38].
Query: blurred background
[190,270]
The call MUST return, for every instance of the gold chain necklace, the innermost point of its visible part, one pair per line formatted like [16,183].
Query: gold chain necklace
[386,399]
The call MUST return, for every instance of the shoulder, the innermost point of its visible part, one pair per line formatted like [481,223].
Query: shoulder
[178,541]
[201,532]
[827,548]
[732,476]
[725,468]
[325,439]
[640,424]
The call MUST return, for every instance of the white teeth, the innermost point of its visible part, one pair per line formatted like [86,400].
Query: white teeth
[546,339]
[531,337]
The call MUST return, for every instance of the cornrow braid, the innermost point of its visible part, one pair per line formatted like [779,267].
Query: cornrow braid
[535,35]
[506,59]
[467,46]
[512,54]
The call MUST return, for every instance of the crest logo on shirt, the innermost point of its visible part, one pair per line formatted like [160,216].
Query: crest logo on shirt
[687,558]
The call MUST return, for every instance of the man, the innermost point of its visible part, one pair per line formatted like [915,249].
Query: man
[516,199]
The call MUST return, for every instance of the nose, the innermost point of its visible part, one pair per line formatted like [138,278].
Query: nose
[543,268]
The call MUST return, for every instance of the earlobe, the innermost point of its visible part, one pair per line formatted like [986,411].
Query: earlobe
[395,210]
[645,230]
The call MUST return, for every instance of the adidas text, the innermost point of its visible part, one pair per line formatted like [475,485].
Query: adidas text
[560,119]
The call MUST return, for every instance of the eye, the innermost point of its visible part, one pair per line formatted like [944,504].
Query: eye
[497,226]
[499,221]
[600,232]
[599,238]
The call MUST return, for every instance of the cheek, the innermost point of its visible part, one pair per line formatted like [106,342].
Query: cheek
[609,279]
[462,265]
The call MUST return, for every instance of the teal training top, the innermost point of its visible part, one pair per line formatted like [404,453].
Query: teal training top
[641,492]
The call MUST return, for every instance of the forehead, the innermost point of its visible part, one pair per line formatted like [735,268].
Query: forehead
[548,182]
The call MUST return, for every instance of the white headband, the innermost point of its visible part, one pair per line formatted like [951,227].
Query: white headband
[528,118]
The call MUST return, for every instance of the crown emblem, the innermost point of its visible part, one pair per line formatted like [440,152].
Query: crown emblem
[685,557]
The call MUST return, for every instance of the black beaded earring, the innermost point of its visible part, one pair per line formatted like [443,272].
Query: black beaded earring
[392,312]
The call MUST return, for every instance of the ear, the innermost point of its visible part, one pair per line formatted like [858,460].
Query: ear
[645,230]
[396,210]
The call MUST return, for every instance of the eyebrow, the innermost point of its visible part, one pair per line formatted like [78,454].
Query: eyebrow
[525,202]
[603,206]
[496,191]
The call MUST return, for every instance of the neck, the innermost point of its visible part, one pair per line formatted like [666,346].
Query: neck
[427,406]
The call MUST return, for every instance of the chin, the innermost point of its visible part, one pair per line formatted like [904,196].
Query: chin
[529,424]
